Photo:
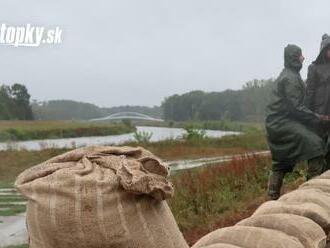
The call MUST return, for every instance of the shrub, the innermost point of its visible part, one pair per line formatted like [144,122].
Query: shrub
[142,137]
[194,134]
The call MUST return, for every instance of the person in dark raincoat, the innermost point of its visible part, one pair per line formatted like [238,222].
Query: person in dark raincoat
[318,86]
[289,125]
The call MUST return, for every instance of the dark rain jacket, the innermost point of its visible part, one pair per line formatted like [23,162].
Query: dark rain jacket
[287,118]
[318,81]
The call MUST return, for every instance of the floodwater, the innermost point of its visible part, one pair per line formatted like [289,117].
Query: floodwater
[185,164]
[158,134]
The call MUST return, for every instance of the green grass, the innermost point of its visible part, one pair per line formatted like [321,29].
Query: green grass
[10,199]
[8,205]
[29,130]
[6,184]
[14,162]
[18,246]
[224,125]
[13,210]
[206,147]
[9,208]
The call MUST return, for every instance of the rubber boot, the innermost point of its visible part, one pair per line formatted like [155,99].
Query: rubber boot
[315,167]
[275,184]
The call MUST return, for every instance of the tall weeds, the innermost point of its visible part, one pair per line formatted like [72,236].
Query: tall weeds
[203,194]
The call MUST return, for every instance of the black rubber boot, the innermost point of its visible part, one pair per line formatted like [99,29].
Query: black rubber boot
[275,184]
[315,167]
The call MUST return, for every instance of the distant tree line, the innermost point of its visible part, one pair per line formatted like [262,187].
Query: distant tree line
[69,110]
[247,104]
[65,110]
[15,103]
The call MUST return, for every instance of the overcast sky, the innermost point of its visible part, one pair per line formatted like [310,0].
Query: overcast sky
[139,51]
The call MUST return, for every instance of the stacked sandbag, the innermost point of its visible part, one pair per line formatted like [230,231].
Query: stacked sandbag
[249,237]
[309,210]
[317,183]
[309,233]
[109,197]
[312,195]
[325,175]
[221,246]
[298,219]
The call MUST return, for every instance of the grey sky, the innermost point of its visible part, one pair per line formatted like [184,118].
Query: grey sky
[140,51]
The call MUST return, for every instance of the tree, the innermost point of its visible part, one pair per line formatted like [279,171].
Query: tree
[246,104]
[5,103]
[21,98]
[15,103]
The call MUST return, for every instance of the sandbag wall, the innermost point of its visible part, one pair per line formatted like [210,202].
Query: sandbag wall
[299,219]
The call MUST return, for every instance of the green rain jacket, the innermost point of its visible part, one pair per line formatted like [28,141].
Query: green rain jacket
[318,85]
[318,81]
[288,120]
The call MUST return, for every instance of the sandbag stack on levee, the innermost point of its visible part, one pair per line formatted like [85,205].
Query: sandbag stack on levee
[299,219]
[95,197]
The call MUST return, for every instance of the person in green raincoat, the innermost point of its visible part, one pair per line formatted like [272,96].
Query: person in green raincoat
[318,80]
[318,87]
[289,125]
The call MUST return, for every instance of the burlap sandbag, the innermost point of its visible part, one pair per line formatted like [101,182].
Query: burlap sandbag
[97,197]
[325,175]
[249,237]
[308,195]
[317,183]
[309,210]
[310,234]
[221,246]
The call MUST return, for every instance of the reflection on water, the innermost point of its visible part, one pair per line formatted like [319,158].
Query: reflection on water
[158,133]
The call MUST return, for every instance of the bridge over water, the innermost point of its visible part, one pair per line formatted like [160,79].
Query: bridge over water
[127,115]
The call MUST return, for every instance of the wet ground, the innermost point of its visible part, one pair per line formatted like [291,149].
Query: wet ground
[12,218]
[194,163]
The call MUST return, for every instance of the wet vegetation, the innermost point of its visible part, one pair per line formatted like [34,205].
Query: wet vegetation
[206,198]
[18,246]
[220,195]
[29,130]
[12,162]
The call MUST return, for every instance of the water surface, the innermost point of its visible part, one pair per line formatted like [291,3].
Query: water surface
[158,134]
